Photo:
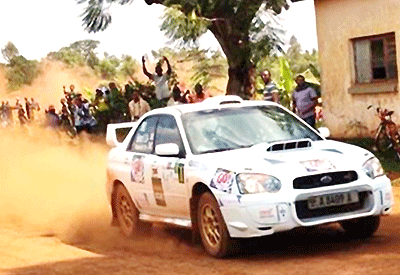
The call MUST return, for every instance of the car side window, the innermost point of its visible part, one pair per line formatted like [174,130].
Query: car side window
[143,139]
[168,132]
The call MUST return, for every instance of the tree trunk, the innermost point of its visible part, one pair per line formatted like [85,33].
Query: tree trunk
[237,51]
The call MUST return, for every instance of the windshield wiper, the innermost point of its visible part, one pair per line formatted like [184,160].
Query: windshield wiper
[217,150]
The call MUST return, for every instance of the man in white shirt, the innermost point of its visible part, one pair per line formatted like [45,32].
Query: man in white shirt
[137,106]
[160,80]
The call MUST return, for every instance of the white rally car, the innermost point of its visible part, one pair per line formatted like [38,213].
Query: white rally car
[230,168]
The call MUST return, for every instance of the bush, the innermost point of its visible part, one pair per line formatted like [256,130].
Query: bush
[21,72]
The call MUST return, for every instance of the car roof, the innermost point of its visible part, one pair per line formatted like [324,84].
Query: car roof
[216,102]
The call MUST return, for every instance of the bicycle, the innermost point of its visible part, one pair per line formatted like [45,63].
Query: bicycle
[386,136]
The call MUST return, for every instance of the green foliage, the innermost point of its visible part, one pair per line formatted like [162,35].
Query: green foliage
[265,36]
[233,23]
[287,65]
[128,66]
[68,56]
[299,61]
[78,53]
[182,27]
[207,65]
[286,83]
[107,67]
[21,72]
[87,48]
[9,51]
[208,68]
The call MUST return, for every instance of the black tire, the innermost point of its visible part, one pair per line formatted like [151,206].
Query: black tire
[362,227]
[212,228]
[397,154]
[127,213]
[382,141]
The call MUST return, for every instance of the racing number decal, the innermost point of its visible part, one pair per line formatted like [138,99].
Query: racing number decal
[157,188]
[222,180]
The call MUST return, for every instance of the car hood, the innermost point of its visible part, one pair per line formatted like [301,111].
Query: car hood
[325,155]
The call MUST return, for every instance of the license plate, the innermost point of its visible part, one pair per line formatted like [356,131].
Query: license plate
[332,200]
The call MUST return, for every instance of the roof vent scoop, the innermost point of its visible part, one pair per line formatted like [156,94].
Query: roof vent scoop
[221,100]
[280,146]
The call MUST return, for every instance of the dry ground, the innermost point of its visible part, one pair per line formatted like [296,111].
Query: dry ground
[54,219]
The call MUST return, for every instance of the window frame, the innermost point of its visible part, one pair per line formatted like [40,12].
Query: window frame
[129,147]
[182,151]
[386,58]
[375,86]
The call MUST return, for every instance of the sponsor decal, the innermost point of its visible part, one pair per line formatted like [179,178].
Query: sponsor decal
[267,213]
[137,169]
[198,165]
[229,201]
[170,166]
[179,169]
[158,188]
[142,200]
[317,165]
[223,180]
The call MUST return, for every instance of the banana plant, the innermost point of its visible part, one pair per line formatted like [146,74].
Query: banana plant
[286,83]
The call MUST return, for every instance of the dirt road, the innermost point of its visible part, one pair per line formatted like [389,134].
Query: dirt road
[54,219]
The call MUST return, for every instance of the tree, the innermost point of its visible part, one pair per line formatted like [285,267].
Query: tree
[108,67]
[80,52]
[300,61]
[21,71]
[231,22]
[128,66]
[87,49]
[209,68]
[9,51]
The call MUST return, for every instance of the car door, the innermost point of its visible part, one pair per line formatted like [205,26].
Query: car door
[168,177]
[139,159]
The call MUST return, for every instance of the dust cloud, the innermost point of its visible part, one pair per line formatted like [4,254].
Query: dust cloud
[56,188]
[53,186]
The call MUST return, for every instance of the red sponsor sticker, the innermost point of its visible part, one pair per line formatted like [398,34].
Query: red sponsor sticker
[223,180]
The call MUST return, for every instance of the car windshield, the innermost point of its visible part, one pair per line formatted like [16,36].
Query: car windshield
[233,128]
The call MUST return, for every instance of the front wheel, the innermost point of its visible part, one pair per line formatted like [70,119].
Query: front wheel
[362,227]
[213,231]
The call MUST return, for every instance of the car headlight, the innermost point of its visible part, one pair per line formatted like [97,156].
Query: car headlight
[249,183]
[373,168]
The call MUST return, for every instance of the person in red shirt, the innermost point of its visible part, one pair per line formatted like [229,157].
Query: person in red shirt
[199,95]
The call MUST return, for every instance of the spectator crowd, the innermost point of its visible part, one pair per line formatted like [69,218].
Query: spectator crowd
[113,104]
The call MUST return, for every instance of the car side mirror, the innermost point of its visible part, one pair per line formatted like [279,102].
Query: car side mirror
[324,131]
[167,149]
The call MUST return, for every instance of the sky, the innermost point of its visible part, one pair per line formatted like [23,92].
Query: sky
[42,26]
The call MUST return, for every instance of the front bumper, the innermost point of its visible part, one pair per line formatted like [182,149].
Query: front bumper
[254,215]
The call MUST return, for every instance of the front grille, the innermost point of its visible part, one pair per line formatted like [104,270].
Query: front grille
[303,212]
[325,179]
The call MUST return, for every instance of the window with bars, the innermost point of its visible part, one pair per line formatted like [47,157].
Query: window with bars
[375,58]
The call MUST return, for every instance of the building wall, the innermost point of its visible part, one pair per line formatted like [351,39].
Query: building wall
[339,21]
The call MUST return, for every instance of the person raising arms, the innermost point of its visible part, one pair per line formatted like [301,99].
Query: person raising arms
[160,80]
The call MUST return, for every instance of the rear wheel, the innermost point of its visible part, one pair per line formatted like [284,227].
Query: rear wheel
[213,231]
[362,227]
[127,213]
[382,141]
